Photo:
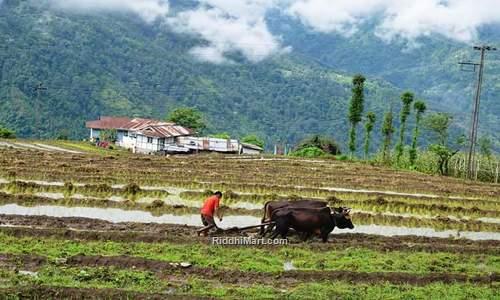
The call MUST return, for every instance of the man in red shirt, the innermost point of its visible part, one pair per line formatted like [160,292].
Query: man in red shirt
[210,207]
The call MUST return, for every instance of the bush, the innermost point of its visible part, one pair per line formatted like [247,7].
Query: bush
[223,135]
[253,140]
[325,144]
[7,133]
[309,152]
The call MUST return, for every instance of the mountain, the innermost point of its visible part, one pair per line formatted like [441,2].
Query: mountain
[430,68]
[115,64]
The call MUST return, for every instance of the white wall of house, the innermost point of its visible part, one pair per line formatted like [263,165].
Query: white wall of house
[94,134]
[144,144]
[125,139]
[250,151]
[209,144]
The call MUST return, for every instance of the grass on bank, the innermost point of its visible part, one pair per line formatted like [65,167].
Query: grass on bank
[262,260]
[147,282]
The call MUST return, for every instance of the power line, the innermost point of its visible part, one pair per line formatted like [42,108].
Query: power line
[475,112]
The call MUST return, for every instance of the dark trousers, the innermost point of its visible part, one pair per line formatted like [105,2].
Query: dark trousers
[208,222]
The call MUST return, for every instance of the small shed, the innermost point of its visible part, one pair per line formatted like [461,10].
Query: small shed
[250,149]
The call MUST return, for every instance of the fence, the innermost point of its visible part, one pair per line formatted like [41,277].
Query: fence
[486,169]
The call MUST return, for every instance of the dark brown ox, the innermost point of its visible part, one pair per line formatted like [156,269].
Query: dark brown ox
[310,220]
[271,206]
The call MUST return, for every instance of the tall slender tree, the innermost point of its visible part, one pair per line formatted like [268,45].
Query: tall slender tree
[419,107]
[387,131]
[356,108]
[370,122]
[407,99]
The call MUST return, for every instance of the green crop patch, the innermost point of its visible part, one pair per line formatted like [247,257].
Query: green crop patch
[263,260]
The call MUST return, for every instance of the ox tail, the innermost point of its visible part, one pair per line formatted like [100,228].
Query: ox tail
[264,218]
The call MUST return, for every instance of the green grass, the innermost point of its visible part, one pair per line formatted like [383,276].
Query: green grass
[342,290]
[147,282]
[86,278]
[262,259]
[85,147]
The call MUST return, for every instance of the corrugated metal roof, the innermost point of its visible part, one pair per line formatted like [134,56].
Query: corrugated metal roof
[108,123]
[165,130]
[147,127]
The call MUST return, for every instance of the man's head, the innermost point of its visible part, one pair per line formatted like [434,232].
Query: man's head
[218,194]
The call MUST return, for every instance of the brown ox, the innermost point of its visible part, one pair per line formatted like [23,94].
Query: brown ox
[271,206]
[310,220]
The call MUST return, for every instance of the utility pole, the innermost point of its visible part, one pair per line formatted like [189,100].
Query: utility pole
[39,88]
[475,111]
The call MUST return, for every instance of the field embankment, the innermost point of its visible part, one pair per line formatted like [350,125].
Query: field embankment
[107,224]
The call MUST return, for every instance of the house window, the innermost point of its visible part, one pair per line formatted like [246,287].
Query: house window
[150,140]
[125,133]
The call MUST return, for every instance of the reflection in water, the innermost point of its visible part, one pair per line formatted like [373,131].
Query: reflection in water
[116,215]
[427,232]
[119,215]
[288,266]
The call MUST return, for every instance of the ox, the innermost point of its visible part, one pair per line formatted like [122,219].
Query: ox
[310,220]
[271,206]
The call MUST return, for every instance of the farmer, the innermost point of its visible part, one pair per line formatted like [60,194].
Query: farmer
[210,207]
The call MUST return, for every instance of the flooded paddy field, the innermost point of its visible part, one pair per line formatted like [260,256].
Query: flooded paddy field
[125,226]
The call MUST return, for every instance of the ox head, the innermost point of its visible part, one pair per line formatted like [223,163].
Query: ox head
[343,218]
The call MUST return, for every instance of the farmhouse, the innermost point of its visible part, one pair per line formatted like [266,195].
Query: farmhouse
[140,135]
[152,136]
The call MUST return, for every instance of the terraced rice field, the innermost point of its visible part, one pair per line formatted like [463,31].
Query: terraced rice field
[114,225]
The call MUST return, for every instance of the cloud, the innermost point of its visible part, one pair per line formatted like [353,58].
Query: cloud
[239,26]
[407,19]
[454,19]
[342,16]
[149,10]
[229,26]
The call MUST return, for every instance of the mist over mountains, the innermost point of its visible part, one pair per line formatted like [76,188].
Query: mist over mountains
[277,68]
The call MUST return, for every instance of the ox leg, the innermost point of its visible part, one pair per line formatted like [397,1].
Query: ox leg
[305,236]
[269,228]
[281,228]
[324,235]
[262,230]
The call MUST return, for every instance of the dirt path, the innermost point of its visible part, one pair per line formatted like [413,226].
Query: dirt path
[59,149]
[90,229]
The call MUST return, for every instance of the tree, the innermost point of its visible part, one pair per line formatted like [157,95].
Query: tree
[370,122]
[419,107]
[439,123]
[188,117]
[485,146]
[222,135]
[6,133]
[325,144]
[108,135]
[407,99]
[308,152]
[356,109]
[387,131]
[253,139]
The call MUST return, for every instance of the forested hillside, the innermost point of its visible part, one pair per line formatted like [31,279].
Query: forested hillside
[429,66]
[116,64]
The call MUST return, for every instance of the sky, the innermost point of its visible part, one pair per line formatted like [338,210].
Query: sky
[240,26]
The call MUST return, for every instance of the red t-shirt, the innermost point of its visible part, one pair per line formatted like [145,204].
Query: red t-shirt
[210,205]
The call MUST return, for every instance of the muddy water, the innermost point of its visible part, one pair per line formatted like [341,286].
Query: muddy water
[427,232]
[118,215]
